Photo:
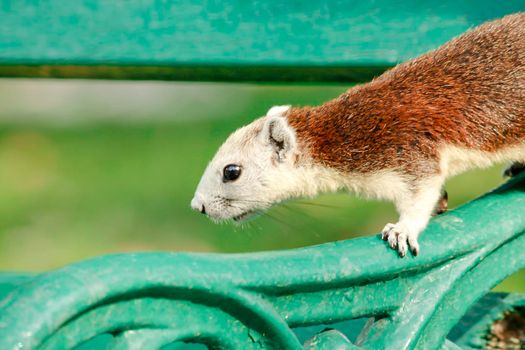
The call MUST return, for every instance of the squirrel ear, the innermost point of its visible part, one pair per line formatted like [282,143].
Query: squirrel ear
[277,111]
[280,136]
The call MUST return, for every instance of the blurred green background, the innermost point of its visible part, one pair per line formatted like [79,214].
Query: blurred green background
[97,167]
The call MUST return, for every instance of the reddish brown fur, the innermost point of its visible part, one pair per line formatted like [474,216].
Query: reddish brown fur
[470,93]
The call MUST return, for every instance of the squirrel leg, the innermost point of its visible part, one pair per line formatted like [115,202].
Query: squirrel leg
[442,204]
[514,169]
[415,210]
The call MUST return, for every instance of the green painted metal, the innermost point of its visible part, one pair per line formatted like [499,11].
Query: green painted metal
[11,280]
[472,331]
[330,340]
[253,301]
[228,40]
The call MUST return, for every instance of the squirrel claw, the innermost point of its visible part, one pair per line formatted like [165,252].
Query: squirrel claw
[398,239]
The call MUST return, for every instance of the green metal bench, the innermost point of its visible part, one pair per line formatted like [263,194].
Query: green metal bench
[360,290]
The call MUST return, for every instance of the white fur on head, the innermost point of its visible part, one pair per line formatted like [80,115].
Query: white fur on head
[265,150]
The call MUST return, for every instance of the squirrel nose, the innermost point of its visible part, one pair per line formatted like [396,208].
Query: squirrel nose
[198,205]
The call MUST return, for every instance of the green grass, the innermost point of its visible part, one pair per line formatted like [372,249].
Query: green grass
[76,191]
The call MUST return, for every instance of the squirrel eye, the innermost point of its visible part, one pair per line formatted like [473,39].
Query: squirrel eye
[231,172]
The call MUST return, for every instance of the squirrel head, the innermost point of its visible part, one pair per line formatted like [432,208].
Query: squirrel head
[251,171]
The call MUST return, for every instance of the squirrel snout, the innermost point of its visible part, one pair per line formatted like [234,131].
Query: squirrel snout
[198,205]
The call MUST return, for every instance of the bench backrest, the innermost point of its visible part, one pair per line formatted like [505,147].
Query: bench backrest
[234,40]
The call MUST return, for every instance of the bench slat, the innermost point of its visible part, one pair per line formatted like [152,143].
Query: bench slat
[193,39]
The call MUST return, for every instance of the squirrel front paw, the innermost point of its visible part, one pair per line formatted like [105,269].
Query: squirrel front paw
[400,238]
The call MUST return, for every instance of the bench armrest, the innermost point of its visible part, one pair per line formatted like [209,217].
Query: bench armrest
[254,300]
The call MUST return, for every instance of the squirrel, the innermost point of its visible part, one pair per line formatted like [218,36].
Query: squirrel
[397,137]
